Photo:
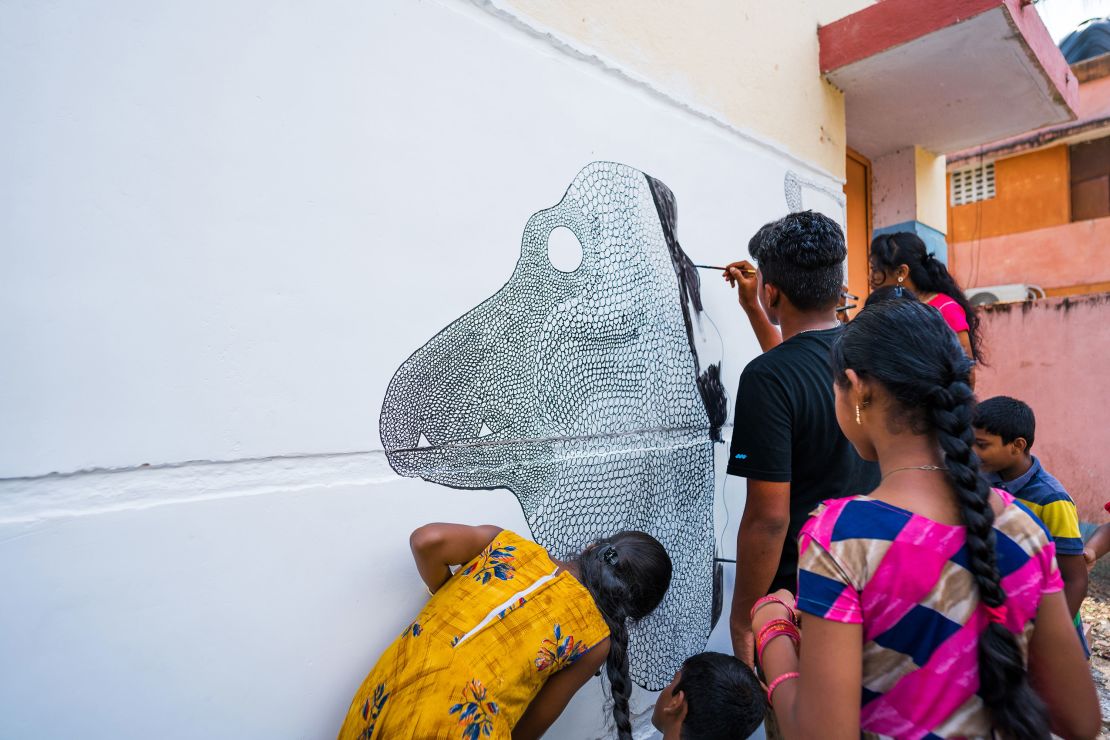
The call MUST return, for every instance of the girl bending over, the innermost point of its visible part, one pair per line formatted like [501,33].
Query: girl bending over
[506,641]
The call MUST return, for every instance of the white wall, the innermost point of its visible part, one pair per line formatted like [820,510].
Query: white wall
[222,228]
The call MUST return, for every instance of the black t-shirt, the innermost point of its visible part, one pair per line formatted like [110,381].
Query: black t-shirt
[786,431]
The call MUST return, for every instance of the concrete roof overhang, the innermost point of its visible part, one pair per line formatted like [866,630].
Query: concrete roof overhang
[945,75]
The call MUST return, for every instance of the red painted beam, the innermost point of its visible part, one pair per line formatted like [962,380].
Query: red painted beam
[1042,49]
[891,23]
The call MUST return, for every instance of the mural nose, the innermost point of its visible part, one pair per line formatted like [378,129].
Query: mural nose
[443,416]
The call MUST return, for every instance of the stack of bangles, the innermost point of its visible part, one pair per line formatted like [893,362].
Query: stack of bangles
[776,628]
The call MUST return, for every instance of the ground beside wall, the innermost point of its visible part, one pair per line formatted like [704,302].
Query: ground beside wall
[1053,355]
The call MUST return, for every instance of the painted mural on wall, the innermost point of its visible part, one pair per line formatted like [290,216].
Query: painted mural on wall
[592,393]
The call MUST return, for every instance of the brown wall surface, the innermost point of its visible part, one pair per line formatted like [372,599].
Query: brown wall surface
[1054,354]
[1031,192]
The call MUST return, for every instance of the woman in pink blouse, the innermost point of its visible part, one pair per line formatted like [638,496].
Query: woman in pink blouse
[902,259]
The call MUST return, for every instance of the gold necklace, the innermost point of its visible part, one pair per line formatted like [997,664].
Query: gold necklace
[912,467]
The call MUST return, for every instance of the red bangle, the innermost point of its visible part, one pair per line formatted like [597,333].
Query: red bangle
[775,625]
[762,647]
[772,599]
[775,684]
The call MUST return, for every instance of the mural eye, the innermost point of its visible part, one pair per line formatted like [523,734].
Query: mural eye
[423,441]
[485,431]
[564,250]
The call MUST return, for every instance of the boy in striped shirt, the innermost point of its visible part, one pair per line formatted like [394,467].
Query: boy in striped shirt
[1004,431]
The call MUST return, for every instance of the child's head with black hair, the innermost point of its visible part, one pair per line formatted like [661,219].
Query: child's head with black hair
[889,293]
[800,257]
[712,697]
[1004,429]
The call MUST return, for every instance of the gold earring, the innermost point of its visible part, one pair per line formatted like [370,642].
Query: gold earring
[858,420]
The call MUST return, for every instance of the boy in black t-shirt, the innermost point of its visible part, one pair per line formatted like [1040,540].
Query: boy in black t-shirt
[786,440]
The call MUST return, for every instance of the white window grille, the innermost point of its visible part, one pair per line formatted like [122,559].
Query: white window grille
[971,184]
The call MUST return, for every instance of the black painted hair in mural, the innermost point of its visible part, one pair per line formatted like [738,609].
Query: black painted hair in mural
[928,381]
[929,275]
[628,575]
[689,288]
[1007,417]
[593,395]
[802,254]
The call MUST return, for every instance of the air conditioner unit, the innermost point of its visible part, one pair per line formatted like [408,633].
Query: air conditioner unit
[1012,293]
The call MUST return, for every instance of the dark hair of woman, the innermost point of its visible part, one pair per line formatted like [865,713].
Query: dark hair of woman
[907,348]
[889,293]
[627,574]
[927,273]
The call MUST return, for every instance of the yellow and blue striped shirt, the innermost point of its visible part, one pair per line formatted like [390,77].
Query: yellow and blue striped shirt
[1046,498]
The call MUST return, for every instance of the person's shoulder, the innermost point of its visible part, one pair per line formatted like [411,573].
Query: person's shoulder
[799,348]
[767,365]
[1049,487]
[947,305]
[510,541]
[943,300]
[1018,522]
[850,517]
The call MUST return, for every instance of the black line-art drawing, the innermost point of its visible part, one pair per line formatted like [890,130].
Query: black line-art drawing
[794,185]
[593,395]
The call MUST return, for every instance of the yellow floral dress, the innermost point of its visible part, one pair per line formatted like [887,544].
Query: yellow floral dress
[480,650]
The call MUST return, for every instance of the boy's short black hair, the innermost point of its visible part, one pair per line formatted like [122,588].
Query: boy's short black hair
[1007,417]
[723,698]
[803,255]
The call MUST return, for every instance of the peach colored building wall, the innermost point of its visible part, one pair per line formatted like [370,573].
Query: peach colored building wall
[1031,193]
[1072,254]
[1054,354]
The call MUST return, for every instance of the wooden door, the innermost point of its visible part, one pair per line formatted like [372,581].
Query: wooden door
[857,192]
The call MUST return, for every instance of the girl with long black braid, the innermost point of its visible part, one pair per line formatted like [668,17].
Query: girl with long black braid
[508,638]
[920,599]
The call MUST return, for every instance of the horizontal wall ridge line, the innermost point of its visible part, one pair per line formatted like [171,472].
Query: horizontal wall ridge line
[53,496]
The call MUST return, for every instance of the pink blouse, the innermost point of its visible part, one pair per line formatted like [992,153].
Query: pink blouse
[951,311]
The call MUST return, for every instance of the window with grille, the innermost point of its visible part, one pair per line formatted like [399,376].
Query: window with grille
[972,184]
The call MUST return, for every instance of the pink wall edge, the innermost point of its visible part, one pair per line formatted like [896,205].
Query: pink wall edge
[1054,354]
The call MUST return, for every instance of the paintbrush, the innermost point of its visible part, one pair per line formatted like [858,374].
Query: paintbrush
[746,272]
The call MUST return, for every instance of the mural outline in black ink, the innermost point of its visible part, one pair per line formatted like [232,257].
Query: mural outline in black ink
[593,395]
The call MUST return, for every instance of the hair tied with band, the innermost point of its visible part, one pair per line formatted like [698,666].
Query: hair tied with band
[996,614]
[610,555]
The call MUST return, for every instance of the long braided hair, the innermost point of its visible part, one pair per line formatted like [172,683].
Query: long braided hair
[907,348]
[627,574]
[889,251]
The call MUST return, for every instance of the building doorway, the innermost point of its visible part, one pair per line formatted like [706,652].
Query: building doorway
[857,193]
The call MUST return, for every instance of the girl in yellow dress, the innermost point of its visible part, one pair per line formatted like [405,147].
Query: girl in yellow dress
[506,641]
